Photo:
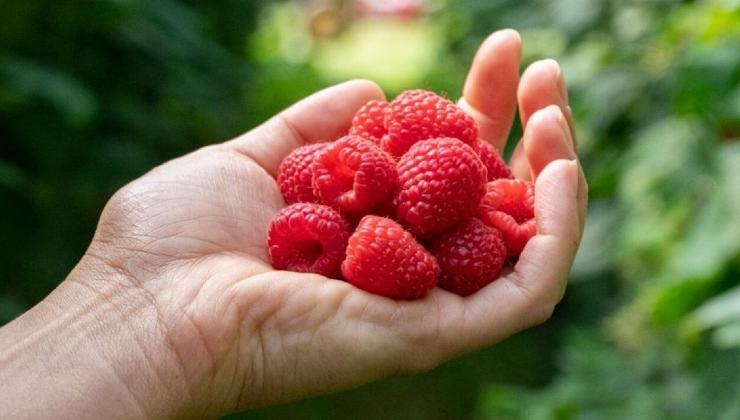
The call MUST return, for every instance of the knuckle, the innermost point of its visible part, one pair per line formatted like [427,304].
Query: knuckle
[121,216]
[125,199]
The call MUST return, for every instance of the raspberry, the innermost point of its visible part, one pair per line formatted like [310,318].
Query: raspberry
[470,257]
[294,174]
[509,206]
[354,175]
[368,121]
[384,259]
[308,238]
[492,160]
[420,115]
[441,182]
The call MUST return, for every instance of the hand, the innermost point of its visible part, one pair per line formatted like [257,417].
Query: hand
[175,310]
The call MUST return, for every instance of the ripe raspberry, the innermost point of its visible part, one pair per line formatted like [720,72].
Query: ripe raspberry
[492,160]
[354,175]
[470,257]
[368,121]
[420,115]
[308,238]
[509,206]
[384,259]
[294,174]
[441,182]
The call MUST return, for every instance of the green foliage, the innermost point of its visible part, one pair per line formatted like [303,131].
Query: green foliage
[93,94]
[597,381]
[656,105]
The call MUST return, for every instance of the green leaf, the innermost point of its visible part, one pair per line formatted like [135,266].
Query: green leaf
[678,298]
[727,336]
[11,176]
[10,308]
[720,310]
[596,255]
[714,239]
[70,97]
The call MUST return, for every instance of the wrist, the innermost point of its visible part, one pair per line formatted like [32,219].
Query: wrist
[92,349]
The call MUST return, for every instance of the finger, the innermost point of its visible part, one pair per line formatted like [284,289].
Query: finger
[528,295]
[323,116]
[519,165]
[542,85]
[546,138]
[489,94]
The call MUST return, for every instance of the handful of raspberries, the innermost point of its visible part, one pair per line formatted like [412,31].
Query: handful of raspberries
[408,200]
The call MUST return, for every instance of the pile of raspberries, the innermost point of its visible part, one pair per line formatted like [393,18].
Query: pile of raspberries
[408,200]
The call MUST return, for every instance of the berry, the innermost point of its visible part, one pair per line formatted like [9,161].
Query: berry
[308,238]
[384,259]
[441,182]
[420,115]
[294,174]
[354,176]
[470,257]
[492,160]
[368,121]
[509,206]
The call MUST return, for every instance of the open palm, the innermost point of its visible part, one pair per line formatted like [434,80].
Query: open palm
[224,331]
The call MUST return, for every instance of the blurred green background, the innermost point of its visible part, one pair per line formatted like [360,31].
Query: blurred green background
[94,93]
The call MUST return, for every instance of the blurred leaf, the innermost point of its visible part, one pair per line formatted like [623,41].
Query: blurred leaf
[575,15]
[582,62]
[11,176]
[720,310]
[609,95]
[29,80]
[595,256]
[728,335]
[715,235]
[662,160]
[542,43]
[10,308]
[677,298]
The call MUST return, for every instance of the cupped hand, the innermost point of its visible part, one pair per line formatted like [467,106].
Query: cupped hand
[180,259]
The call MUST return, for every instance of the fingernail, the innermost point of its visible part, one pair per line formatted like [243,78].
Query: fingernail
[510,32]
[560,83]
[573,164]
[565,128]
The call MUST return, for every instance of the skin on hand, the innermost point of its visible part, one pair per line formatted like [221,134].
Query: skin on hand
[175,310]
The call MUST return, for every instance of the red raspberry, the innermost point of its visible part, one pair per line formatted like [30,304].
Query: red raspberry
[441,182]
[354,175]
[384,259]
[368,121]
[308,238]
[470,257]
[492,160]
[509,206]
[294,174]
[420,115]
